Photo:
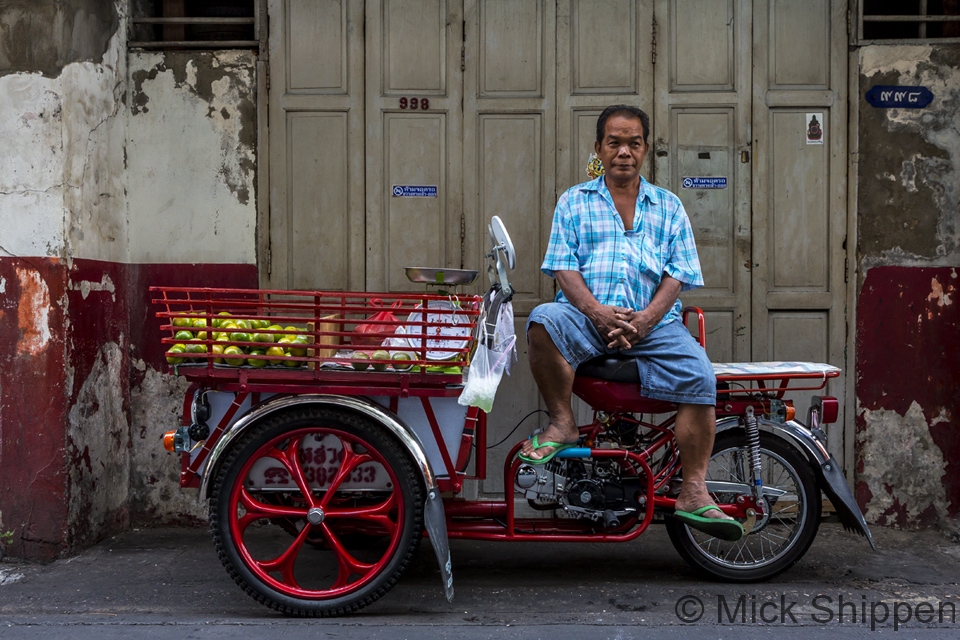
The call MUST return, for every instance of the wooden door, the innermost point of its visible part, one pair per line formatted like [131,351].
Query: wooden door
[799,189]
[509,170]
[414,129]
[315,220]
[702,151]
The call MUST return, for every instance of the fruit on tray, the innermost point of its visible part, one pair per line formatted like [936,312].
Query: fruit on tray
[401,361]
[359,357]
[379,354]
[173,354]
[256,337]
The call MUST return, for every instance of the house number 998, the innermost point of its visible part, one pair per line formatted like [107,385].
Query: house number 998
[414,103]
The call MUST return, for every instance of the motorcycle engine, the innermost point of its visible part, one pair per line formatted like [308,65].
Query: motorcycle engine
[587,489]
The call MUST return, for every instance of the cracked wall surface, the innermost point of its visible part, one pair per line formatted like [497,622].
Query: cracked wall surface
[908,325]
[98,201]
[191,154]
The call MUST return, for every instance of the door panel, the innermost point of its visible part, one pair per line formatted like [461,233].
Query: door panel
[509,151]
[413,54]
[701,46]
[799,201]
[703,131]
[316,154]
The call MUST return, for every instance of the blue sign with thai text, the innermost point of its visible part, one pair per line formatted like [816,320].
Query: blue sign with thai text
[414,191]
[704,183]
[888,97]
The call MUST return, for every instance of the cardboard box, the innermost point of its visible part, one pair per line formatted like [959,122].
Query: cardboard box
[327,323]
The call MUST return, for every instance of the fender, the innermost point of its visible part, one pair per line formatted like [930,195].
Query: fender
[829,476]
[433,512]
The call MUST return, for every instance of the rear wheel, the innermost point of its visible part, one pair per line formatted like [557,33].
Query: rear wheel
[781,537]
[317,512]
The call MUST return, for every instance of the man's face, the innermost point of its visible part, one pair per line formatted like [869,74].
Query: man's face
[623,149]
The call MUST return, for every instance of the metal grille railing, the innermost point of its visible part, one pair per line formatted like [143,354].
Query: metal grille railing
[898,21]
[191,24]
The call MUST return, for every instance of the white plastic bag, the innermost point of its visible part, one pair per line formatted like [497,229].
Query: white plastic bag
[484,375]
[489,363]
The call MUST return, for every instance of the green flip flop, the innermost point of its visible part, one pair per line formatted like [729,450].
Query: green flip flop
[537,445]
[724,528]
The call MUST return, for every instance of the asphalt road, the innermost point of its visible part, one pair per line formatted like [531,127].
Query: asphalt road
[168,583]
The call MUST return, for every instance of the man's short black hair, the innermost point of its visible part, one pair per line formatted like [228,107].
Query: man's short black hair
[623,110]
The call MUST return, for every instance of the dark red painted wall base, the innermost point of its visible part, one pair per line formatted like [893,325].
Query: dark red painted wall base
[54,319]
[908,350]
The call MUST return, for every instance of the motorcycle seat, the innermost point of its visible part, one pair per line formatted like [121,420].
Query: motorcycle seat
[612,367]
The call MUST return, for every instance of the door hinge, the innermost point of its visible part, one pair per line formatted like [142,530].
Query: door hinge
[653,42]
[268,77]
[463,58]
[269,259]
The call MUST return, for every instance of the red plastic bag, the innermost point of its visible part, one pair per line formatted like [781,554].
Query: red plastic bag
[372,334]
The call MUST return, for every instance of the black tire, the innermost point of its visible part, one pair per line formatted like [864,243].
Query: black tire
[776,542]
[303,567]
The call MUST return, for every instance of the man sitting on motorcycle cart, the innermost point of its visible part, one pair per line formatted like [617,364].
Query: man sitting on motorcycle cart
[622,250]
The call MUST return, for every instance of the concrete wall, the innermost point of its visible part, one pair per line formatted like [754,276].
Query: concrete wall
[120,171]
[908,325]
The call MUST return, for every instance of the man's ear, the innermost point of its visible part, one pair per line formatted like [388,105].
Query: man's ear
[596,148]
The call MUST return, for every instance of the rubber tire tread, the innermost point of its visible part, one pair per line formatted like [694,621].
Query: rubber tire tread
[695,556]
[388,446]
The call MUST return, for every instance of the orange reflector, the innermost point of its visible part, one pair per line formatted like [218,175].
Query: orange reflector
[791,412]
[168,440]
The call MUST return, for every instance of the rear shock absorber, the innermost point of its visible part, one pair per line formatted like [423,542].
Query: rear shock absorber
[753,442]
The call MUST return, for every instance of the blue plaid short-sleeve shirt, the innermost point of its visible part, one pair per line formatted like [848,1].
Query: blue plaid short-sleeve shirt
[623,267]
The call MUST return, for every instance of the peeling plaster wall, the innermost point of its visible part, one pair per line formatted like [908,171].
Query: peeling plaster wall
[155,492]
[908,324]
[112,179]
[191,157]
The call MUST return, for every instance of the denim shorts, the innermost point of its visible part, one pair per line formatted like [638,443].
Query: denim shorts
[671,363]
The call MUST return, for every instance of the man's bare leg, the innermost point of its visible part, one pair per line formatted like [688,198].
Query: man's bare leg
[695,429]
[554,377]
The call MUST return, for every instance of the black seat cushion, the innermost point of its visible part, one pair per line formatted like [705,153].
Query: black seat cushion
[615,368]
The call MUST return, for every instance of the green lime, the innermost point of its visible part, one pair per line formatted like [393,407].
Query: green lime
[233,350]
[173,354]
[240,336]
[254,361]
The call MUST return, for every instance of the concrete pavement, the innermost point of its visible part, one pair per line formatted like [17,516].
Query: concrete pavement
[168,583]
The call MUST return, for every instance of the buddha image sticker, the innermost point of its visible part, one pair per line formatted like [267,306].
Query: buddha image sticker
[814,128]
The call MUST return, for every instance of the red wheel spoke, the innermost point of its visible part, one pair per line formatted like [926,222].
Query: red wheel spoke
[290,459]
[260,510]
[286,561]
[378,513]
[348,564]
[350,462]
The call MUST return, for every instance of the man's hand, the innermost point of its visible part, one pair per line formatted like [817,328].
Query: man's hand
[630,327]
[610,322]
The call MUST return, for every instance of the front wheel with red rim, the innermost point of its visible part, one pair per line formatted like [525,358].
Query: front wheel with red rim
[317,511]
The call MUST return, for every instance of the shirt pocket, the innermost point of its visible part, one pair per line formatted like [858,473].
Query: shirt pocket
[652,258]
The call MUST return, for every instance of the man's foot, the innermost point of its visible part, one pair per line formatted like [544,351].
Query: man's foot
[700,512]
[719,526]
[552,448]
[543,448]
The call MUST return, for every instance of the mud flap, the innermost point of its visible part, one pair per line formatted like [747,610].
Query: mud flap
[834,484]
[436,522]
